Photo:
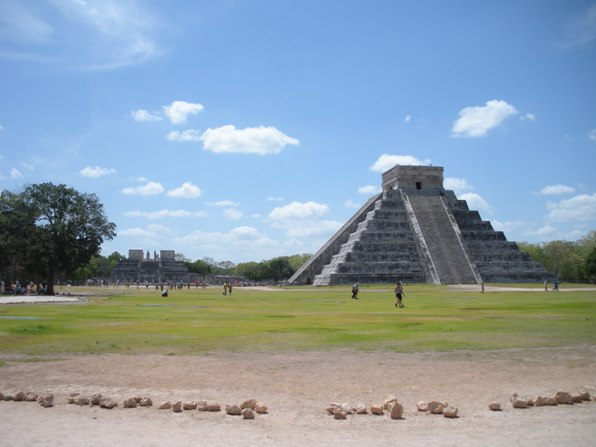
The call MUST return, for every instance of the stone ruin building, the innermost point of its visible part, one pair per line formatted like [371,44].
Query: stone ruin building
[140,267]
[418,232]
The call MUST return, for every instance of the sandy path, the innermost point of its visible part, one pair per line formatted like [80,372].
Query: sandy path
[297,387]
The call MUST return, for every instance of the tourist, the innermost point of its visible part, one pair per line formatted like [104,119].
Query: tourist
[399,293]
[355,291]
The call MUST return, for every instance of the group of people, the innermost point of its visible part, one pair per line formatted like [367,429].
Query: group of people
[227,288]
[28,289]
[399,293]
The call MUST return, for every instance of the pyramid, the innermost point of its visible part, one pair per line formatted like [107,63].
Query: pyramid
[418,232]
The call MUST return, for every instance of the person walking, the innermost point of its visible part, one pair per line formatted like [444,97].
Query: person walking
[399,293]
[355,291]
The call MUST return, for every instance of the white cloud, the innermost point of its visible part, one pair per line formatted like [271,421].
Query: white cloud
[91,34]
[240,242]
[592,135]
[580,29]
[407,119]
[545,231]
[510,225]
[556,190]
[95,172]
[223,203]
[369,189]
[528,117]
[21,25]
[298,210]
[457,185]
[15,173]
[150,189]
[153,215]
[178,111]
[143,115]
[232,214]
[477,121]
[581,208]
[475,201]
[274,199]
[303,220]
[251,140]
[387,161]
[152,231]
[184,136]
[186,191]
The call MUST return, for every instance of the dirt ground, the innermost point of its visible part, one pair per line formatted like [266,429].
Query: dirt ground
[297,387]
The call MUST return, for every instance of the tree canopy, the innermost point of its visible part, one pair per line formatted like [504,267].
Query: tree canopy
[50,229]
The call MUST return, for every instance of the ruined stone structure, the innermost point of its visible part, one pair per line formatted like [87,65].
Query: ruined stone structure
[418,232]
[140,267]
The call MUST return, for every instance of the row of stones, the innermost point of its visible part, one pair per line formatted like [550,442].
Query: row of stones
[395,410]
[560,398]
[246,409]
[392,407]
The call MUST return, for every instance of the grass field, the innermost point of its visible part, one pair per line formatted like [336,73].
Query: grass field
[436,318]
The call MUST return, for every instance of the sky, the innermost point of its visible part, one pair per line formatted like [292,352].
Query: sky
[244,130]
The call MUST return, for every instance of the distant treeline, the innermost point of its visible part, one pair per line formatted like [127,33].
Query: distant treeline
[568,261]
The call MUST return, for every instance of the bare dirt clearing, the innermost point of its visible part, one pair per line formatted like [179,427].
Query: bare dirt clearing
[297,387]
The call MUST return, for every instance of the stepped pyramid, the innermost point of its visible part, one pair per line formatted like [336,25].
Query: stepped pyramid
[417,232]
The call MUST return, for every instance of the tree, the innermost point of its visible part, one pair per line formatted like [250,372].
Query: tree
[69,228]
[198,266]
[17,223]
[590,266]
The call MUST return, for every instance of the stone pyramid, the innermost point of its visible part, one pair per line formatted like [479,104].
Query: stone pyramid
[418,232]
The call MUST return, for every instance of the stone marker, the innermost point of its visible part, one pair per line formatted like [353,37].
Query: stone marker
[165,405]
[397,410]
[450,412]
[494,406]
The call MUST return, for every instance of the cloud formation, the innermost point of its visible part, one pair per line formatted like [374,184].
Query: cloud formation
[369,189]
[178,111]
[581,208]
[580,30]
[185,136]
[96,172]
[476,121]
[150,189]
[153,215]
[457,185]
[251,140]
[186,191]
[556,190]
[84,35]
[475,201]
[142,115]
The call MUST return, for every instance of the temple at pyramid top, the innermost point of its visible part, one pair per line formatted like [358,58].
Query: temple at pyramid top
[416,231]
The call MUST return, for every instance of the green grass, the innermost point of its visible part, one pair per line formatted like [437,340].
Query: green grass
[436,318]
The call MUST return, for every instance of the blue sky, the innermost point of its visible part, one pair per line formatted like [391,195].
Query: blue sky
[245,130]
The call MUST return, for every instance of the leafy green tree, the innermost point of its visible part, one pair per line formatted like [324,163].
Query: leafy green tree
[198,266]
[297,261]
[69,228]
[280,268]
[17,223]
[590,266]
